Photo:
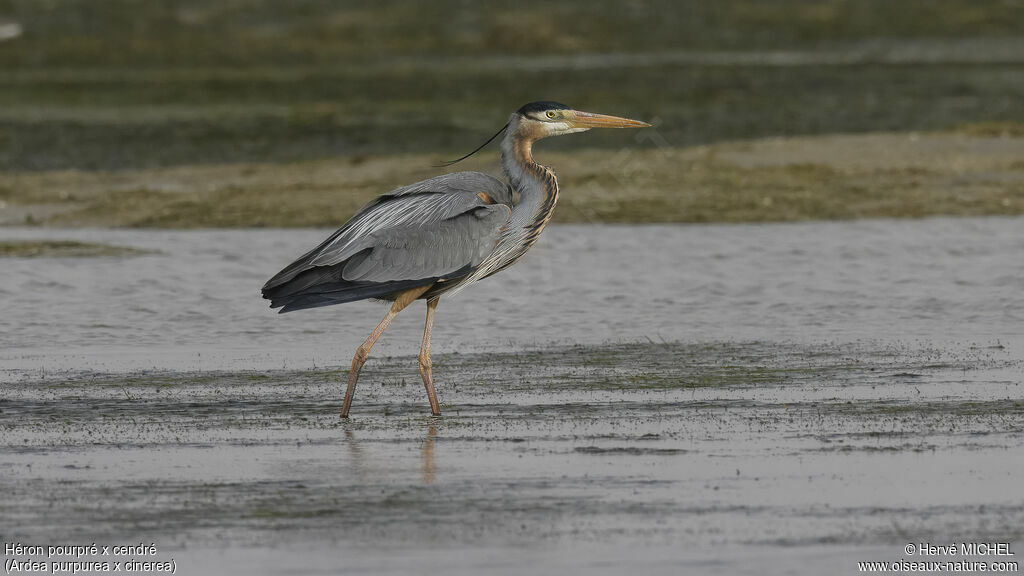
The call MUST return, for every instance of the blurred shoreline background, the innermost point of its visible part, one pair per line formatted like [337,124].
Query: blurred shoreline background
[241,113]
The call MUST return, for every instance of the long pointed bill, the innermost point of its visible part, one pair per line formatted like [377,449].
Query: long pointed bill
[590,120]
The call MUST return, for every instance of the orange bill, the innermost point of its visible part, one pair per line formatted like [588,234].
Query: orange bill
[590,120]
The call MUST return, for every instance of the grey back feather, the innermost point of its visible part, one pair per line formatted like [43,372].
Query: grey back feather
[425,230]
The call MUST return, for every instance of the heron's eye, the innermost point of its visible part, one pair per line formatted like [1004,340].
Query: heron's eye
[551,113]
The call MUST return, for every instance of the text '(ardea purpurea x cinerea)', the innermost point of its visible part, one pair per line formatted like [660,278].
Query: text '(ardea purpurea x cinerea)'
[436,236]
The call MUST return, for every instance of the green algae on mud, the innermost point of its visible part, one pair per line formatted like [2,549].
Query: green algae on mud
[776,380]
[79,33]
[685,443]
[63,249]
[887,175]
[256,81]
[250,114]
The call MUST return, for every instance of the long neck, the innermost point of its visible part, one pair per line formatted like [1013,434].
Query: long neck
[535,184]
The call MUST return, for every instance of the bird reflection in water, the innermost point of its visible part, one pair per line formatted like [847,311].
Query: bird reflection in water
[358,461]
[427,454]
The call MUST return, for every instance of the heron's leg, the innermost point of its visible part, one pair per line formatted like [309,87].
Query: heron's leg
[363,352]
[425,364]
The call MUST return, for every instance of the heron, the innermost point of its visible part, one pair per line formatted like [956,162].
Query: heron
[437,236]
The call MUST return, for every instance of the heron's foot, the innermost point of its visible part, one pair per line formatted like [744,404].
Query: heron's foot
[428,383]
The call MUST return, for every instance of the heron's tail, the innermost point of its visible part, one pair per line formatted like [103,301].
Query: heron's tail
[288,299]
[324,286]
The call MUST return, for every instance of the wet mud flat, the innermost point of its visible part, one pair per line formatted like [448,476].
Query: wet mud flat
[723,457]
[771,399]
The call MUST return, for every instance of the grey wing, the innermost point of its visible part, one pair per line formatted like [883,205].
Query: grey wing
[439,228]
[446,247]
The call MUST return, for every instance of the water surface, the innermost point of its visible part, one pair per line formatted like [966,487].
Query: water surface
[194,302]
[716,399]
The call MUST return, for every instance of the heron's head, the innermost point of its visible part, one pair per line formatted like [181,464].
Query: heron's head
[539,120]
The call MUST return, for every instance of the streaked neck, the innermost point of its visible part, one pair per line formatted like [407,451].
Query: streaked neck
[535,184]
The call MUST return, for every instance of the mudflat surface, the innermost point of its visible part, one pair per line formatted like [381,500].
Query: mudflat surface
[650,453]
[976,171]
[724,399]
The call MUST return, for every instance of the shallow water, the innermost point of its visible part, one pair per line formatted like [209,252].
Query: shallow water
[715,399]
[195,303]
